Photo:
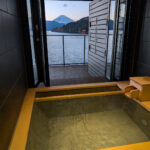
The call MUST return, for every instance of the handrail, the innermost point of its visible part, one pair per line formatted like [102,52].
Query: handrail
[63,47]
[67,35]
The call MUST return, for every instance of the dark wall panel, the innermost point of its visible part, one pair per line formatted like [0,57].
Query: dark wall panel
[12,69]
[10,110]
[3,5]
[142,64]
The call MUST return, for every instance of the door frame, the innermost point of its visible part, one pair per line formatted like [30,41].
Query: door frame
[27,45]
[134,23]
[114,40]
[37,38]
[116,37]
[131,37]
[40,54]
[107,38]
[115,26]
[47,74]
[38,7]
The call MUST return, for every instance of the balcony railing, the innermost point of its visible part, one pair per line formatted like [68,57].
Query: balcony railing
[67,49]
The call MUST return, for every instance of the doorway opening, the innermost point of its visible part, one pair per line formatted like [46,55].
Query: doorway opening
[67,24]
[78,41]
[90,48]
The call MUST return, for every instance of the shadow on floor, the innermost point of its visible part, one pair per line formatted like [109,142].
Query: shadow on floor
[74,74]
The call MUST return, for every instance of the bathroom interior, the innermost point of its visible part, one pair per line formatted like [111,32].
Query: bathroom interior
[112,115]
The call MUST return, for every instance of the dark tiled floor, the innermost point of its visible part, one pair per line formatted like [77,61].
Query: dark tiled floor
[74,74]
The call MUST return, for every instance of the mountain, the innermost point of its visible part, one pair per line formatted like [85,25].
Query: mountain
[74,27]
[63,19]
[52,24]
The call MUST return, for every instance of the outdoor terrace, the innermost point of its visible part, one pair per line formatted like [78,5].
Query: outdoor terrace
[68,60]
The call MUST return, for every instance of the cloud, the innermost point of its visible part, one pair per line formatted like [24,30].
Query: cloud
[65,5]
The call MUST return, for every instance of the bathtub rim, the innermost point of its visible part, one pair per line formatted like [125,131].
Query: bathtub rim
[76,86]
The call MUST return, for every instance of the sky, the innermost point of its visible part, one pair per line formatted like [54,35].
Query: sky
[72,9]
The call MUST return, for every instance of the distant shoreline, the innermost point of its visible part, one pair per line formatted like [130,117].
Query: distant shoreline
[63,33]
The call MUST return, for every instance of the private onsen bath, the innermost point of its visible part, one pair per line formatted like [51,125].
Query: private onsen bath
[109,116]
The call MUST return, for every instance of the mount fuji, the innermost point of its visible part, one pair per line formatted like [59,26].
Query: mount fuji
[63,19]
[58,22]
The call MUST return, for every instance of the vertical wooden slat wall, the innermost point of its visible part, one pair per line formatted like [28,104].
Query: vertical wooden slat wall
[98,34]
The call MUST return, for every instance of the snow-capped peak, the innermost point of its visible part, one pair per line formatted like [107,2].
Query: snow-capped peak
[63,19]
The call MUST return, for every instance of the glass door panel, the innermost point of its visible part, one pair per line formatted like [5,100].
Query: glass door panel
[120,39]
[110,39]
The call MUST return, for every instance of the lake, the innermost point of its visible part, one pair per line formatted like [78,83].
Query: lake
[73,48]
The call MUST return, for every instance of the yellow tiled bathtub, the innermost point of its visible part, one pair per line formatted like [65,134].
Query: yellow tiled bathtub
[83,117]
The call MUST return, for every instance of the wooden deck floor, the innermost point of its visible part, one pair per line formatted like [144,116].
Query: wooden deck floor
[74,74]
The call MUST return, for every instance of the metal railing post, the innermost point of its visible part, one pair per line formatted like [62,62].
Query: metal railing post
[63,50]
[84,47]
[63,47]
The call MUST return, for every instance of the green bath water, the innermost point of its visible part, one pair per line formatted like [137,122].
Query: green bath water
[83,124]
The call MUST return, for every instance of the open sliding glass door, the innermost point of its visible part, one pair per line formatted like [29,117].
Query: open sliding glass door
[98,37]
[119,39]
[37,29]
[106,43]
[111,39]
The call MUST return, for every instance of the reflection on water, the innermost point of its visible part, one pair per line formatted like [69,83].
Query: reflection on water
[73,48]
